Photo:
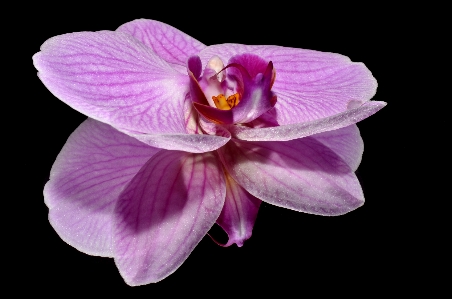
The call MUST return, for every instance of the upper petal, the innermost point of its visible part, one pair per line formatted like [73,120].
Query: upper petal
[164,212]
[309,84]
[171,44]
[114,78]
[302,174]
[86,179]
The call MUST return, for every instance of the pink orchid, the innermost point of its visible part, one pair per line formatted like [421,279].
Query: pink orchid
[181,136]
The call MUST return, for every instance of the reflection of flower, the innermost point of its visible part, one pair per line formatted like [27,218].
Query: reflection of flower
[178,140]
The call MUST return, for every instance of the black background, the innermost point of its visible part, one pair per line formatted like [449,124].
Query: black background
[289,251]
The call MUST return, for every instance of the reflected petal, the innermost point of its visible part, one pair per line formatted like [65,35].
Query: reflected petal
[302,175]
[239,213]
[164,212]
[92,169]
[346,143]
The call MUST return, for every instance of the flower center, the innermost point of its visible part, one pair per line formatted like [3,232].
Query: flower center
[237,97]
[222,103]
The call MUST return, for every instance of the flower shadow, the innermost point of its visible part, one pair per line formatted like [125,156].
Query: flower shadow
[158,200]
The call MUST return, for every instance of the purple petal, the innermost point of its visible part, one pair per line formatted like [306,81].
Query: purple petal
[309,84]
[196,93]
[90,172]
[252,63]
[169,43]
[164,212]
[346,143]
[295,131]
[192,143]
[239,213]
[257,97]
[195,66]
[112,77]
[302,175]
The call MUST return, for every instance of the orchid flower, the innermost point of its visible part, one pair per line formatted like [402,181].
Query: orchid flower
[181,136]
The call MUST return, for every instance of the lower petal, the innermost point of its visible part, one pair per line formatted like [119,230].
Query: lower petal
[302,175]
[86,179]
[300,130]
[164,212]
[346,143]
[239,213]
[192,143]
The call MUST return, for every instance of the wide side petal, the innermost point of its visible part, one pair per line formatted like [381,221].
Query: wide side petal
[171,44]
[302,175]
[309,84]
[295,131]
[239,213]
[114,78]
[346,143]
[86,179]
[164,212]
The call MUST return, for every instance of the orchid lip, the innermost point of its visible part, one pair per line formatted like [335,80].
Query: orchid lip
[252,98]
